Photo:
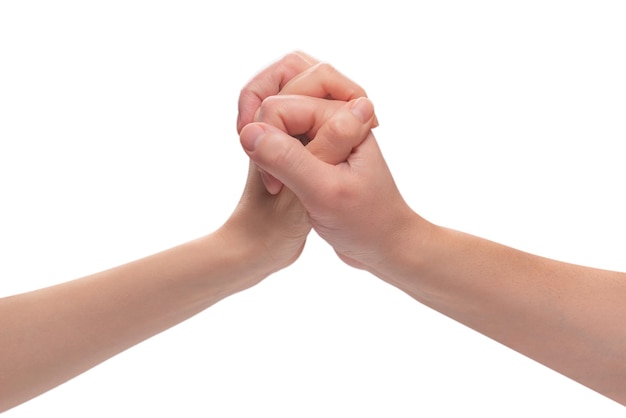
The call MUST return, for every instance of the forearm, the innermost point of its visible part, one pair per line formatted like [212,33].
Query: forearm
[567,317]
[53,334]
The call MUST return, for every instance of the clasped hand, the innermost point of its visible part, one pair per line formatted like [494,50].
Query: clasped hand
[336,178]
[314,163]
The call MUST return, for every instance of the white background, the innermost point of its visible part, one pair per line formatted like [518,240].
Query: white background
[117,140]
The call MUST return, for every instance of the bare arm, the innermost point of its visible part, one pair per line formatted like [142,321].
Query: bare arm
[50,335]
[53,334]
[568,317]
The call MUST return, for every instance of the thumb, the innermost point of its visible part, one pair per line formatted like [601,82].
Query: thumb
[335,137]
[283,157]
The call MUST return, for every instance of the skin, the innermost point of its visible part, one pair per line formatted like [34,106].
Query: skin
[568,317]
[52,334]
[301,74]
[565,316]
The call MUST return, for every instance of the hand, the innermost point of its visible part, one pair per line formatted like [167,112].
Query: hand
[354,204]
[296,73]
[275,226]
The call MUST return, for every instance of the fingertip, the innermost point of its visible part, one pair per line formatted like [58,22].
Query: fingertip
[375,122]
[247,103]
[309,59]
[362,108]
[250,136]
[271,183]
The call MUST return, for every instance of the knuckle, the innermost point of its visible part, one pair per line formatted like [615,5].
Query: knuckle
[325,68]
[248,99]
[338,127]
[269,106]
[292,57]
[292,60]
[339,192]
[286,157]
[250,90]
[271,102]
[342,126]
[300,53]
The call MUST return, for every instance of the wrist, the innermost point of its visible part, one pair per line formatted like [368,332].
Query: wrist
[404,258]
[257,248]
[239,254]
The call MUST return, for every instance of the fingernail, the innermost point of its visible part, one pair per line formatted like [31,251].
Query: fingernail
[251,135]
[362,108]
[266,180]
[272,185]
